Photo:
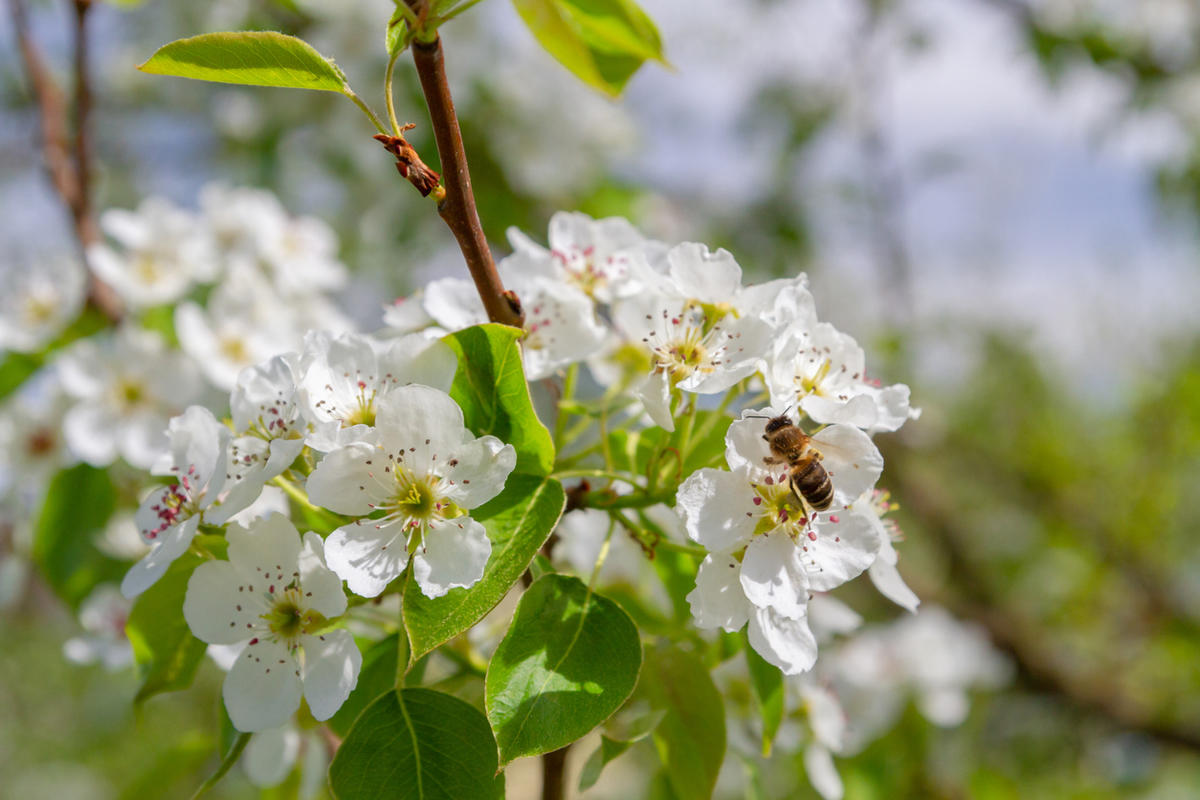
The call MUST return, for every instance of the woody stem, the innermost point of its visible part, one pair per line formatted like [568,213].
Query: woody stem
[457,208]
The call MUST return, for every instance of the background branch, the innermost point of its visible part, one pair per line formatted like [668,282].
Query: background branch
[67,162]
[1037,665]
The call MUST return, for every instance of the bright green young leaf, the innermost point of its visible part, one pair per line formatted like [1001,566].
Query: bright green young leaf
[377,675]
[569,660]
[491,389]
[603,42]
[77,506]
[767,681]
[251,58]
[690,739]
[397,36]
[417,744]
[518,521]
[166,652]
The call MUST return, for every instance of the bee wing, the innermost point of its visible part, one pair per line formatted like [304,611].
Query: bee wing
[850,457]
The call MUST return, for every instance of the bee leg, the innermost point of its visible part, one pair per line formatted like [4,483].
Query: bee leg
[773,460]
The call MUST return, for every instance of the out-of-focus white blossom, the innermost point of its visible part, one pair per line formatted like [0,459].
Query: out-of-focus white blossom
[126,386]
[102,615]
[37,301]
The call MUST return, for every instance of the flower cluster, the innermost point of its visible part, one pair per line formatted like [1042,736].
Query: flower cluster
[665,324]
[303,464]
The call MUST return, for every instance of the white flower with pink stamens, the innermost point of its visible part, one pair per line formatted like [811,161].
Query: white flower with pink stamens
[697,339]
[346,376]
[425,471]
[168,519]
[600,259]
[768,551]
[276,595]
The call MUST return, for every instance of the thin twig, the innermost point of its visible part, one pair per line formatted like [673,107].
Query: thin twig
[457,207]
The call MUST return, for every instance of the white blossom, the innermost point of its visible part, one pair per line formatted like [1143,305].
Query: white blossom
[425,471]
[276,595]
[32,446]
[102,615]
[169,517]
[160,253]
[767,550]
[595,258]
[38,301]
[822,371]
[697,340]
[346,376]
[126,386]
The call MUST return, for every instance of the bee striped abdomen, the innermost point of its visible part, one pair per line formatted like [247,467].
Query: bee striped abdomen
[812,482]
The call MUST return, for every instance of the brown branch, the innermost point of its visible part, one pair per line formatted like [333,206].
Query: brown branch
[457,207]
[1037,665]
[67,163]
[554,774]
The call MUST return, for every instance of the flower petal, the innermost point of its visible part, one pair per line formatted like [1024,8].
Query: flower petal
[170,545]
[217,606]
[655,394]
[418,359]
[422,423]
[887,580]
[267,550]
[367,556]
[717,508]
[345,480]
[322,586]
[476,471]
[718,600]
[331,665]
[262,689]
[786,643]
[851,459]
[773,575]
[841,550]
[822,774]
[270,756]
[704,275]
[454,553]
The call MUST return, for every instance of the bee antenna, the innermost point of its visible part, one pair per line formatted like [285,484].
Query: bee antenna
[757,416]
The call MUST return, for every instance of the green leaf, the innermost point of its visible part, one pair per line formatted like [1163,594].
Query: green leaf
[603,42]
[251,58]
[569,660]
[690,739]
[491,389]
[78,504]
[767,681]
[598,760]
[417,744]
[611,747]
[377,675]
[230,758]
[398,34]
[518,521]
[166,651]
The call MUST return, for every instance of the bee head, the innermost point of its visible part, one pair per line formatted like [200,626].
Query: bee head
[777,423]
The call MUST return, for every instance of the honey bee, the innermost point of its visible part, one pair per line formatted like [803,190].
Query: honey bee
[807,477]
